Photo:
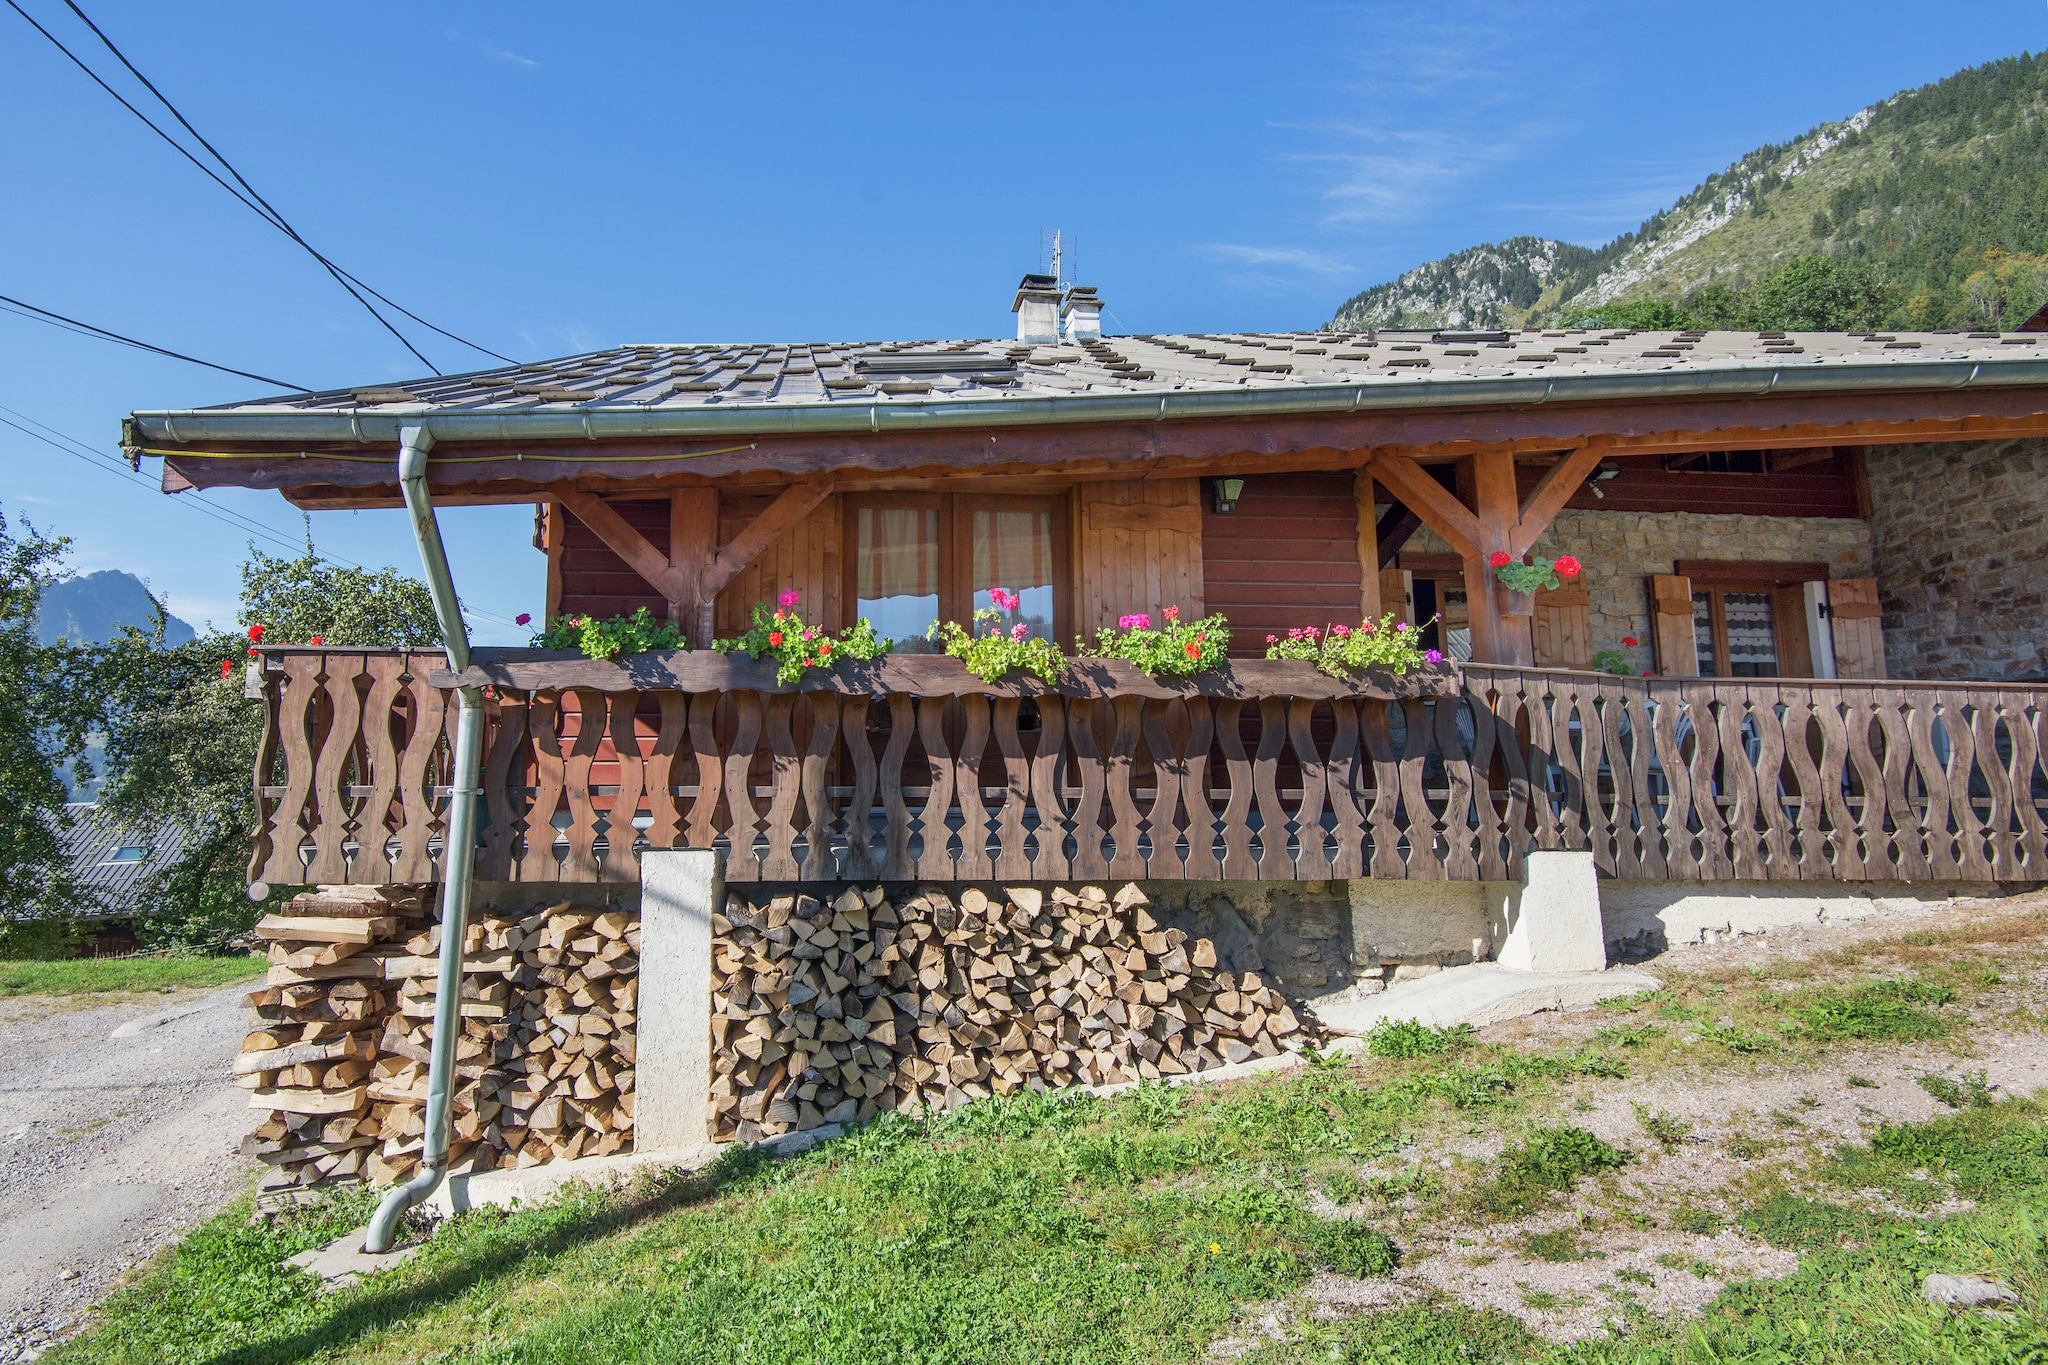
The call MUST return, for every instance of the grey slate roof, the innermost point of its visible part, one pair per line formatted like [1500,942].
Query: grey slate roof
[676,378]
[94,844]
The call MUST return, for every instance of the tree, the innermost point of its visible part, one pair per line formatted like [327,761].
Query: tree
[181,739]
[43,723]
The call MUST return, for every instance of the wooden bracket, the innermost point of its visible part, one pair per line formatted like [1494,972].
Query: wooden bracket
[625,542]
[1438,507]
[1552,492]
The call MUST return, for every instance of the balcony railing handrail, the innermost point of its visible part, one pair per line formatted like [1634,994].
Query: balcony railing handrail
[909,768]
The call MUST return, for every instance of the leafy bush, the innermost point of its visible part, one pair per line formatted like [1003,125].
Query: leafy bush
[796,647]
[1351,1248]
[1876,1010]
[1001,650]
[1552,1159]
[635,634]
[1401,1039]
[1971,1092]
[1177,649]
[1388,645]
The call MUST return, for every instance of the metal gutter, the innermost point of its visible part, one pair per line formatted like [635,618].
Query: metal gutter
[598,421]
[458,847]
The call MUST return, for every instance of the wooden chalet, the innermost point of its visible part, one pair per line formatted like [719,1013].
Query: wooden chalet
[1828,546]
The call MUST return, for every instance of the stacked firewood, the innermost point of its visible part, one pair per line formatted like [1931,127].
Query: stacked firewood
[313,1042]
[344,1031]
[828,1012]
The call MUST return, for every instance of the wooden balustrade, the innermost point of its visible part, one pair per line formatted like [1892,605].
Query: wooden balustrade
[909,769]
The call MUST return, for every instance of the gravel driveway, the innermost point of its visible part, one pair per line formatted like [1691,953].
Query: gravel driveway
[119,1126]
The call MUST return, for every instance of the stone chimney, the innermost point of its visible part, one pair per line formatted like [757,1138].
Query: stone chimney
[1037,310]
[1083,312]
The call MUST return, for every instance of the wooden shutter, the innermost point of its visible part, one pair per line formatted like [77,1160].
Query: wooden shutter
[1396,595]
[1140,550]
[1563,625]
[1795,645]
[1671,631]
[1853,618]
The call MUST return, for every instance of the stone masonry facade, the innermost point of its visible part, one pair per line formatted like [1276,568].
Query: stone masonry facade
[1620,550]
[1961,538]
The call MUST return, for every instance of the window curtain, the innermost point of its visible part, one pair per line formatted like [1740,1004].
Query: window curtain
[898,552]
[1012,550]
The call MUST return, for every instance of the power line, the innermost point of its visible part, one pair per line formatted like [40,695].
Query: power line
[253,201]
[79,450]
[44,315]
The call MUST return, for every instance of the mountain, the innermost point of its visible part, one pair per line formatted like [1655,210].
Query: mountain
[1927,210]
[92,608]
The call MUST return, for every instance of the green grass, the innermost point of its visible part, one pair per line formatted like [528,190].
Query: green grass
[124,975]
[1551,1161]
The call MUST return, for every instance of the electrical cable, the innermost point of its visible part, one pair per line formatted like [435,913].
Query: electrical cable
[226,516]
[274,216]
[44,315]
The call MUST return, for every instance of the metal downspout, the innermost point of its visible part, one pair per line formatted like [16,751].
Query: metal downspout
[458,848]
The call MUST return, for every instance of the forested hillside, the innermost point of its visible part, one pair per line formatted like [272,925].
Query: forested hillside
[1928,210]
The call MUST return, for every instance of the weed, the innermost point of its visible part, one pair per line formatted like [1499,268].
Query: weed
[1888,1010]
[1668,1129]
[1744,1147]
[1352,1248]
[1628,1035]
[1970,1092]
[1540,1299]
[1552,1159]
[1736,1040]
[1862,1083]
[1556,1246]
[1698,1222]
[1339,1184]
[1809,1101]
[1630,1275]
[1155,1103]
[1403,1039]
[1983,1151]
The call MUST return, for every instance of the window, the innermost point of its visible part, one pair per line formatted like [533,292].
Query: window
[1736,633]
[913,559]
[127,853]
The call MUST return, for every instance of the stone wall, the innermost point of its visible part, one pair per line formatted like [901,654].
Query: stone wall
[1622,549]
[1961,538]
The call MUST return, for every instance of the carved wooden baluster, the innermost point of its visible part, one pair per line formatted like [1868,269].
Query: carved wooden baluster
[1805,839]
[1201,863]
[1932,775]
[862,860]
[1312,858]
[700,827]
[1461,821]
[274,827]
[1346,768]
[664,816]
[1119,771]
[1527,801]
[1902,811]
[503,808]
[581,864]
[1424,824]
[1988,715]
[973,863]
[1616,803]
[1717,844]
[621,862]
[538,862]
[1275,862]
[1384,819]
[1645,819]
[342,708]
[1959,710]
[1740,781]
[418,810]
[936,861]
[1013,859]
[1837,822]
[1048,770]
[1087,760]
[1878,858]
[1486,823]
[1779,862]
[1161,825]
[785,781]
[2026,716]
[1239,772]
[1591,761]
[819,817]
[378,755]
[897,864]
[744,817]
[1553,815]
[1673,831]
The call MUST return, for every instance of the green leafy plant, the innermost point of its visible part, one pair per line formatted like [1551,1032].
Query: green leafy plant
[1552,1159]
[635,634]
[796,647]
[1972,1091]
[1003,647]
[1543,573]
[1176,649]
[1390,645]
[1668,1129]
[1616,661]
[1352,1248]
[1401,1039]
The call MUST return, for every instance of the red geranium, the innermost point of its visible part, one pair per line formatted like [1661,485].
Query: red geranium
[256,632]
[774,637]
[1194,650]
[1567,566]
[1630,640]
[227,666]
[316,640]
[1173,613]
[1500,559]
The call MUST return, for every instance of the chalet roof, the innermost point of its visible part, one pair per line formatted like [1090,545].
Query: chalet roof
[780,377]
[114,861]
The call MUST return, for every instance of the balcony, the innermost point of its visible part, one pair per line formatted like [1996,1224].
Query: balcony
[908,768]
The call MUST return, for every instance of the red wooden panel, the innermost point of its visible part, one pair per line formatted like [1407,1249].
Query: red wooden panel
[1288,556]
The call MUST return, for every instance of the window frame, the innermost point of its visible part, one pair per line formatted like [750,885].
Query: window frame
[1783,641]
[956,546]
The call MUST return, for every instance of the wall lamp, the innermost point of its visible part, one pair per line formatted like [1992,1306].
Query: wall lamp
[1225,493]
[1607,470]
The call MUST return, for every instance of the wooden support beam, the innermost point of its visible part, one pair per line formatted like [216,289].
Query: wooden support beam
[1368,547]
[1551,493]
[1395,529]
[692,545]
[1487,481]
[625,542]
[795,503]
[1428,499]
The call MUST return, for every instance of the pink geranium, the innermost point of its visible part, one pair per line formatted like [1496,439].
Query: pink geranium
[788,598]
[1019,631]
[1135,621]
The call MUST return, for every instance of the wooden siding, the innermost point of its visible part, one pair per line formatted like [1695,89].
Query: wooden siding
[1140,550]
[1829,487]
[596,581]
[1288,556]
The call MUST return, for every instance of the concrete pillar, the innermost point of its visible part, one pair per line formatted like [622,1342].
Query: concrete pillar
[680,890]
[1553,918]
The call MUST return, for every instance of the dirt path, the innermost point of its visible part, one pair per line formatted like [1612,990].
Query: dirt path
[118,1131]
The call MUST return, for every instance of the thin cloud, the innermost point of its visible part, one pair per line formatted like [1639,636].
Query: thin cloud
[1296,257]
[512,57]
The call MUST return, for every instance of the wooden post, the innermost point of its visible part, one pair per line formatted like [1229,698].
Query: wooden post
[1486,484]
[1369,599]
[692,543]
[554,535]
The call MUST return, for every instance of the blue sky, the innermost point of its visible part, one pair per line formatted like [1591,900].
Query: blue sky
[546,179]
